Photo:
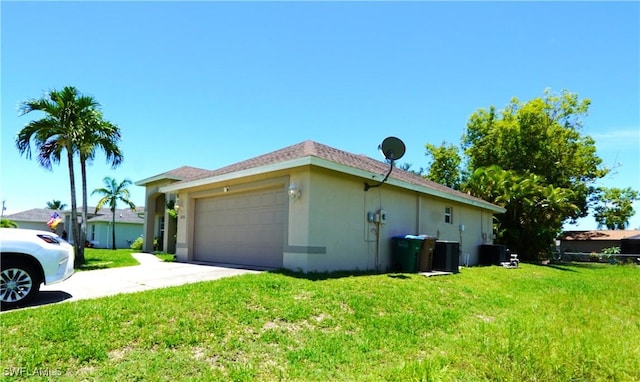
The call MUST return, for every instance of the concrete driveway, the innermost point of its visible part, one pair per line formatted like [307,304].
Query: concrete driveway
[152,273]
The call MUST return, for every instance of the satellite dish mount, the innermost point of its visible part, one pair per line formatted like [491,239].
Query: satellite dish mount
[393,149]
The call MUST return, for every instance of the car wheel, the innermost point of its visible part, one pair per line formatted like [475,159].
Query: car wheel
[19,283]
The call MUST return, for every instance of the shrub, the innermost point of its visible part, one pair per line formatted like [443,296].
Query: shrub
[611,251]
[137,245]
[6,223]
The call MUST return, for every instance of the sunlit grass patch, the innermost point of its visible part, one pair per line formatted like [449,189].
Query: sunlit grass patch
[107,258]
[486,323]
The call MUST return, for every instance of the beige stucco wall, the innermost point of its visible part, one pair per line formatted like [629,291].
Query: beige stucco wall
[330,221]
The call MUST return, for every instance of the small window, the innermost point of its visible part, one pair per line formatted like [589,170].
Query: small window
[448,215]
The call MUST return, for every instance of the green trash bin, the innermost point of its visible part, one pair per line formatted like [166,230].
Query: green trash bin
[405,254]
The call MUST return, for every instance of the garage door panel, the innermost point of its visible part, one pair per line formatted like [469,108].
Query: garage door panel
[245,229]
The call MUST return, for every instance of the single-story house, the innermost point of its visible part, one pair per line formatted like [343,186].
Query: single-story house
[593,241]
[36,218]
[128,224]
[305,207]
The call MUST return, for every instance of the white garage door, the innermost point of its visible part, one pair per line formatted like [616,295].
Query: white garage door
[245,229]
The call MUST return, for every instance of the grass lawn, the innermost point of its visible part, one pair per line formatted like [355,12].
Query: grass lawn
[108,258]
[96,258]
[546,323]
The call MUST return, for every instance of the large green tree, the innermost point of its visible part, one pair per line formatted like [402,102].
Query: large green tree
[535,210]
[112,193]
[548,163]
[445,165]
[69,125]
[541,136]
[614,207]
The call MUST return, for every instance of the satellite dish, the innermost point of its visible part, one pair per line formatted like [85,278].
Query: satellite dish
[392,148]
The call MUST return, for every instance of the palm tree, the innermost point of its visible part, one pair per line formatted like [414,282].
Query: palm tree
[55,133]
[56,205]
[96,134]
[112,193]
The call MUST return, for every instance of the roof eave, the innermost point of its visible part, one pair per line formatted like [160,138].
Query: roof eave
[156,178]
[236,175]
[320,162]
[410,186]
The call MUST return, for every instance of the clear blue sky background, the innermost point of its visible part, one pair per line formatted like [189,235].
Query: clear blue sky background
[208,84]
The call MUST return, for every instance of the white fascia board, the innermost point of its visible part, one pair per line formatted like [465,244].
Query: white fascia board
[156,178]
[237,174]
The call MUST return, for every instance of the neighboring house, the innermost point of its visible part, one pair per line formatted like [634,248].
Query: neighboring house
[36,218]
[128,225]
[593,241]
[305,208]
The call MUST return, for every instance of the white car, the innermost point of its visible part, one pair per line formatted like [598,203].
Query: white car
[29,258]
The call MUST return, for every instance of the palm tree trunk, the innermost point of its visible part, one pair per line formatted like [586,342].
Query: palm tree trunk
[83,173]
[113,229]
[78,244]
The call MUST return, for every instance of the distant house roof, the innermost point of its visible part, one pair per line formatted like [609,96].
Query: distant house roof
[42,215]
[37,215]
[321,155]
[123,215]
[598,235]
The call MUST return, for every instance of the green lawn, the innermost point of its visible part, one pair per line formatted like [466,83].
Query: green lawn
[107,258]
[544,323]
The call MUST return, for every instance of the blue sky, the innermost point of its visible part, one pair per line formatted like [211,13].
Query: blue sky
[208,84]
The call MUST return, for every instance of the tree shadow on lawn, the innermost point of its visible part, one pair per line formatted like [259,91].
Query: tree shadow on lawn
[569,266]
[321,276]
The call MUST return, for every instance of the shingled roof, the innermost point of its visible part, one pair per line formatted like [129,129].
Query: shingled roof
[33,215]
[189,173]
[184,173]
[42,215]
[314,149]
[123,215]
[598,235]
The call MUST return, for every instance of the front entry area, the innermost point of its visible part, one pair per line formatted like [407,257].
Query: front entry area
[246,228]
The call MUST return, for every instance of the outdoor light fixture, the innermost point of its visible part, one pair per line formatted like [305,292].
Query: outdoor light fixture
[293,191]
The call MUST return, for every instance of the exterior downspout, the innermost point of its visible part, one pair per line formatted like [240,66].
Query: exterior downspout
[418,209]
